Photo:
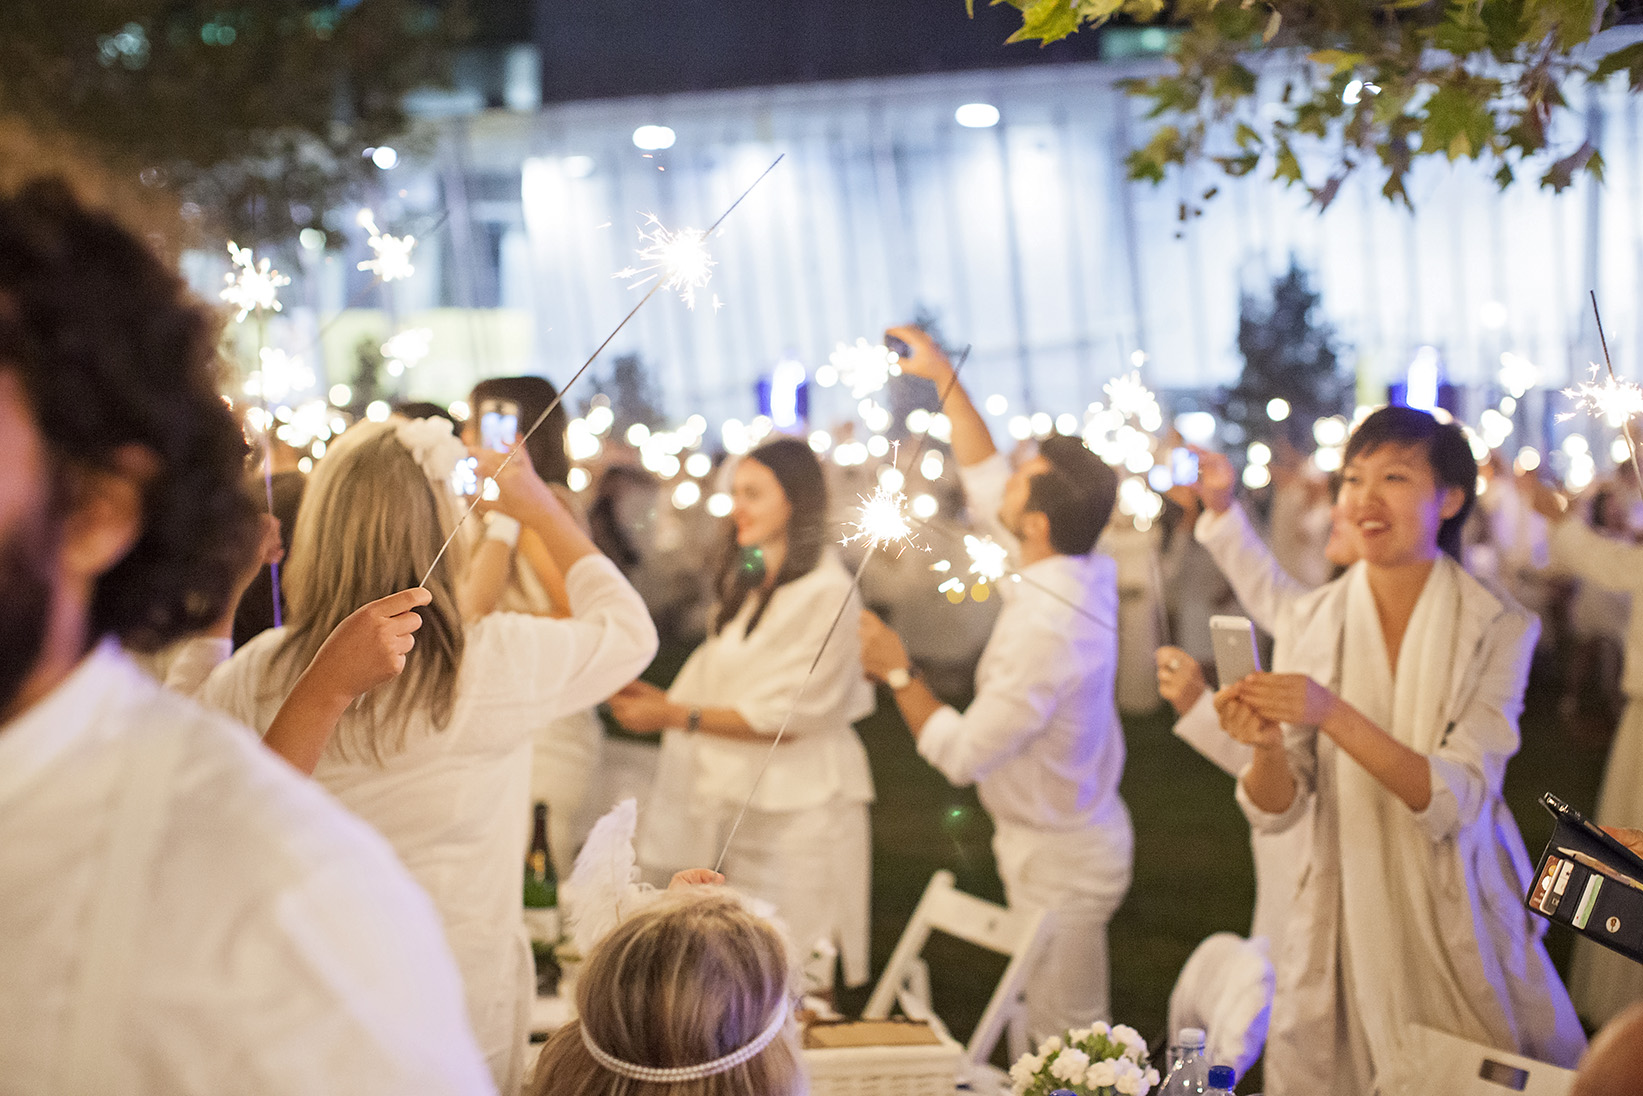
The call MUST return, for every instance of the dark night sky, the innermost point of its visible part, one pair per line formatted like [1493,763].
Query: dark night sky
[613,48]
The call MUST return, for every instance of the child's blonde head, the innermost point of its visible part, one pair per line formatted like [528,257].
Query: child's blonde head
[685,982]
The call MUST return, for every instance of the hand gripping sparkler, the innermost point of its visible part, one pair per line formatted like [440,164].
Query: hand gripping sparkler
[873,543]
[543,417]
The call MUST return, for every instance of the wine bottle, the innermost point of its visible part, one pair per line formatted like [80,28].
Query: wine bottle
[541,886]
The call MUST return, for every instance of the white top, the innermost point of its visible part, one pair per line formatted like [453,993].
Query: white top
[1612,565]
[1041,741]
[761,676]
[275,945]
[451,802]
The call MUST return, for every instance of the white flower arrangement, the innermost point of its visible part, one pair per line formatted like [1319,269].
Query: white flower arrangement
[442,457]
[1095,1061]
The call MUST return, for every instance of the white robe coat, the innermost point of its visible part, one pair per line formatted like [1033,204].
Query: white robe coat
[1488,939]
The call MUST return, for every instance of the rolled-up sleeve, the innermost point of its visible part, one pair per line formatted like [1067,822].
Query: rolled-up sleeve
[1301,750]
[984,483]
[1469,765]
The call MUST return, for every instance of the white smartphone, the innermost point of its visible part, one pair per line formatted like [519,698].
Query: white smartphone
[1236,656]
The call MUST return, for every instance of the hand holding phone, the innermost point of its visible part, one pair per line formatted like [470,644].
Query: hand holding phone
[498,425]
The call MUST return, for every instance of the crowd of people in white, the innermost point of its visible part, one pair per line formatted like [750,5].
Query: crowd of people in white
[330,901]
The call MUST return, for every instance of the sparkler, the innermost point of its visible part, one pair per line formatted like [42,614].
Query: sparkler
[404,350]
[882,521]
[681,260]
[1617,401]
[600,349]
[988,559]
[865,367]
[390,257]
[280,375]
[254,285]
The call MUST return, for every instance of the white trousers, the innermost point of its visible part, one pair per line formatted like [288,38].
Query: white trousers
[1081,878]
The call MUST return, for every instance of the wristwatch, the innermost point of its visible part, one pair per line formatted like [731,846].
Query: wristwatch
[899,678]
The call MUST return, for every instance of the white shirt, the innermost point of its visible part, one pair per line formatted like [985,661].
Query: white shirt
[1042,740]
[761,675]
[452,801]
[274,943]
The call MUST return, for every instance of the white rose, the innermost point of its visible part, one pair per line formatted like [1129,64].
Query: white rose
[1129,1085]
[1070,1065]
[1131,1038]
[1078,1035]
[1025,1068]
[1100,1027]
[1102,1074]
[1049,1046]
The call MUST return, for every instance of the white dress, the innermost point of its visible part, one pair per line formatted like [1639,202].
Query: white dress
[1603,983]
[452,801]
[183,914]
[804,844]
[1405,917]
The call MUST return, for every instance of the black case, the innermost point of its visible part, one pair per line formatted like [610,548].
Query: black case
[1599,906]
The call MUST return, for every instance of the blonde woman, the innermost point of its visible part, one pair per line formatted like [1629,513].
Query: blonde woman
[689,997]
[439,759]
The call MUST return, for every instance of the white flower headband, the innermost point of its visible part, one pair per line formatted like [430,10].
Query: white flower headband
[435,449]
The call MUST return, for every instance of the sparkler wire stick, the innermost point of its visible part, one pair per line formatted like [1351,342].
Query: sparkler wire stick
[1625,424]
[543,417]
[1155,576]
[268,458]
[872,546]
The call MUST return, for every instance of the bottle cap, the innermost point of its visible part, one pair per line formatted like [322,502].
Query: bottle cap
[1191,1037]
[1221,1077]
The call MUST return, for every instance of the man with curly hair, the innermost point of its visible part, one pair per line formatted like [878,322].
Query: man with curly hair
[180,912]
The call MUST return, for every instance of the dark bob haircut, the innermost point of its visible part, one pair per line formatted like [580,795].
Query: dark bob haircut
[1447,452]
[1076,494]
[113,350]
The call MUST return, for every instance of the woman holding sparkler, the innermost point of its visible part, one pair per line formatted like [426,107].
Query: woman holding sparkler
[1394,729]
[764,670]
[438,761]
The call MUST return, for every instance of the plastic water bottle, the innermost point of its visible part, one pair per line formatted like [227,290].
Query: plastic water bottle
[1220,1081]
[1190,1074]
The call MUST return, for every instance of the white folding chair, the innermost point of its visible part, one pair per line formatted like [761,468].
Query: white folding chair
[1459,1067]
[1017,933]
[1225,988]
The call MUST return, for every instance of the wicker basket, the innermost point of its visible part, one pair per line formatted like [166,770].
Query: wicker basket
[885,1070]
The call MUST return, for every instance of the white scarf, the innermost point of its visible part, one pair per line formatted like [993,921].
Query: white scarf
[1390,892]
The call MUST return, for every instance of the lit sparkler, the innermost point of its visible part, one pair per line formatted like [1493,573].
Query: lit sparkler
[280,375]
[390,257]
[253,286]
[865,367]
[680,259]
[989,560]
[1134,400]
[882,520]
[1614,401]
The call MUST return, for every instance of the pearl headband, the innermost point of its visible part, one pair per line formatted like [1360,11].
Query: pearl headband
[680,1074]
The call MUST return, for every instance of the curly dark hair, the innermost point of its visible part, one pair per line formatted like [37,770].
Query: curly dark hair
[113,350]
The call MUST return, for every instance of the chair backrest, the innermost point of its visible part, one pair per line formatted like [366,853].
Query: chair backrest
[1016,933]
[1460,1067]
[1225,988]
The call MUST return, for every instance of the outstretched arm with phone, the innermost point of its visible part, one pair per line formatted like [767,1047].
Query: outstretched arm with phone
[972,441]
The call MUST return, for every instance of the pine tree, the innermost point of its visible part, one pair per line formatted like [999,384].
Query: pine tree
[1289,354]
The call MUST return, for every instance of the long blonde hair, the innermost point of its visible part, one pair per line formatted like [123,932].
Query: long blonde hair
[370,524]
[691,979]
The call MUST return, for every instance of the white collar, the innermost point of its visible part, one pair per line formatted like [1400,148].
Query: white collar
[34,740]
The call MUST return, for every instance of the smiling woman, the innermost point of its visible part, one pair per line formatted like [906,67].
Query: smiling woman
[1388,736]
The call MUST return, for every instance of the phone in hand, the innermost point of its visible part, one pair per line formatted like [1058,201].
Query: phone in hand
[1236,656]
[498,425]
[897,346]
[1183,466]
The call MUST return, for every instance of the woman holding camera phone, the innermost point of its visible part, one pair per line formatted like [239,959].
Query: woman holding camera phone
[1394,724]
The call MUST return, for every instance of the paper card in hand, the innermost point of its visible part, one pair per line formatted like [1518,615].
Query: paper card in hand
[1590,882]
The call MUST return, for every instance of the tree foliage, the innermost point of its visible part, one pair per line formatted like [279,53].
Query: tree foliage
[1289,354]
[252,113]
[1378,83]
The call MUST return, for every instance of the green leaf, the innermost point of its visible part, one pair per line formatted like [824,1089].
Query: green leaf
[1246,137]
[1046,21]
[1561,174]
[1462,31]
[1336,60]
[1237,166]
[1288,168]
[1628,59]
[1458,119]
[1504,177]
[1150,161]
[1234,81]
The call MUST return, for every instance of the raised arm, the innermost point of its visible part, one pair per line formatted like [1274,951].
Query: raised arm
[1263,587]
[972,441]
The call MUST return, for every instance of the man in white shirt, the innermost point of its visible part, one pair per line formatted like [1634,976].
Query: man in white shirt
[182,912]
[1042,740]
